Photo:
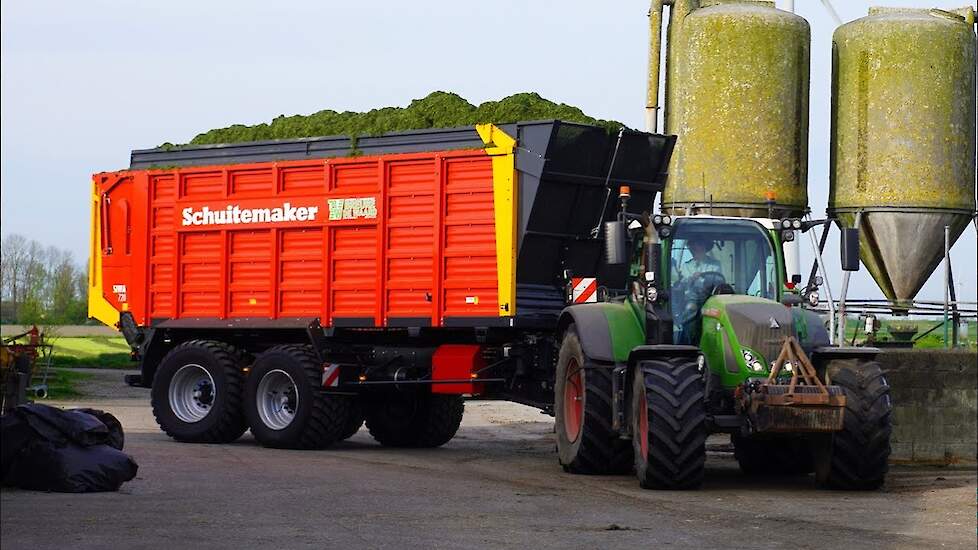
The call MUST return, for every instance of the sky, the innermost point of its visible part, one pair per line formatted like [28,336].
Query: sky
[83,83]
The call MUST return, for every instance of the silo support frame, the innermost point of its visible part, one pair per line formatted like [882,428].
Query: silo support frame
[845,287]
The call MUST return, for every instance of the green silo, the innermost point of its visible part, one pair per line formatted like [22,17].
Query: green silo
[737,98]
[903,138]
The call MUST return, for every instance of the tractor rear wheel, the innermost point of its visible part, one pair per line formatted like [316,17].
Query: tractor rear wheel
[669,423]
[856,458]
[414,419]
[196,393]
[285,405]
[777,455]
[586,442]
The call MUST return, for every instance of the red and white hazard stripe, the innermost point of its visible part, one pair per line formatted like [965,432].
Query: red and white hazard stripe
[585,290]
[331,375]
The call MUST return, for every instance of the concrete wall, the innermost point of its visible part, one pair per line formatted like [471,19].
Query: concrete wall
[935,403]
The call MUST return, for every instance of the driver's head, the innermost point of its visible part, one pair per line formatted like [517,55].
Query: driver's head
[699,246]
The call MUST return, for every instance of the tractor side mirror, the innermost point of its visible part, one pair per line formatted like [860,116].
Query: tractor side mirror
[615,247]
[849,252]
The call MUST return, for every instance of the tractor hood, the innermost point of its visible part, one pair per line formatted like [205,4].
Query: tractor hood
[759,324]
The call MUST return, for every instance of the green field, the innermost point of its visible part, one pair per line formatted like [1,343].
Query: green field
[934,339]
[62,384]
[110,352]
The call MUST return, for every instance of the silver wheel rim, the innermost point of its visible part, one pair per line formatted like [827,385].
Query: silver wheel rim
[192,393]
[278,399]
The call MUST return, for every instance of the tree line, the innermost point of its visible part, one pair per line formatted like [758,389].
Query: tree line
[42,285]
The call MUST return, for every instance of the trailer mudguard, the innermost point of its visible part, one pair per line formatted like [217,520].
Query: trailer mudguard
[609,331]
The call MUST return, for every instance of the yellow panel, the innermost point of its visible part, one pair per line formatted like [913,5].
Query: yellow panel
[98,307]
[502,148]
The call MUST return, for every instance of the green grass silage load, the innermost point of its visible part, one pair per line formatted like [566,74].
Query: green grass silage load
[437,110]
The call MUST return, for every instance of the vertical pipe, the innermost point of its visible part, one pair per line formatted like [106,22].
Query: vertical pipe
[790,6]
[834,14]
[947,284]
[825,277]
[845,290]
[655,50]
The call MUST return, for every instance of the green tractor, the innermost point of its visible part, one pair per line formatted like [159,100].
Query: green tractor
[712,338]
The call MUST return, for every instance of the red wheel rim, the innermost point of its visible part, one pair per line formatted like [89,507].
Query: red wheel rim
[573,401]
[643,427]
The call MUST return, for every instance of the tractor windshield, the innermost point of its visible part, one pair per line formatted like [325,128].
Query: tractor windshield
[716,256]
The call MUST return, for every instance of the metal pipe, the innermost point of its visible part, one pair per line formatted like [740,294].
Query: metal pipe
[845,289]
[834,14]
[655,54]
[790,6]
[947,280]
[825,277]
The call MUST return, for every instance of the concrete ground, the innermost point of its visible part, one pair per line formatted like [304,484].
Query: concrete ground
[497,484]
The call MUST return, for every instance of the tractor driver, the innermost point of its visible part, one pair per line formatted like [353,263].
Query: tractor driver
[693,289]
[701,262]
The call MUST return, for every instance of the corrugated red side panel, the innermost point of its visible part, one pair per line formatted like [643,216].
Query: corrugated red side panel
[365,238]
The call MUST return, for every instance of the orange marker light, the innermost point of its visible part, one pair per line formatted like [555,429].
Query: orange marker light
[769,195]
[625,191]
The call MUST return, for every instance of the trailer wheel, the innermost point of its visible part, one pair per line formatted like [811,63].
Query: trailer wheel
[777,456]
[669,424]
[355,420]
[414,419]
[196,393]
[586,441]
[285,405]
[856,458]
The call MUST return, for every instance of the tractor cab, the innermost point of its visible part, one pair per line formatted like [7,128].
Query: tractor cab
[708,256]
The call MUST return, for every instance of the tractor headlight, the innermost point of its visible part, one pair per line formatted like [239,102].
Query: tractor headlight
[667,220]
[813,298]
[787,366]
[757,366]
[652,293]
[665,231]
[748,356]
[657,220]
[787,235]
[796,224]
[786,224]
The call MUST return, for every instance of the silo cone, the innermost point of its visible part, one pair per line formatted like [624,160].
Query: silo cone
[903,138]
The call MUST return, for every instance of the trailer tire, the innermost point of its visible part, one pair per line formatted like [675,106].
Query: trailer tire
[586,441]
[773,456]
[286,407]
[857,457]
[212,410]
[669,423]
[414,419]
[355,421]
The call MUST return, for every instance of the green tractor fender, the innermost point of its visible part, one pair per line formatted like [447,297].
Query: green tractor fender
[608,330]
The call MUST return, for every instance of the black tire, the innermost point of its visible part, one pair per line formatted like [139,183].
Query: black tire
[773,456]
[414,419]
[672,454]
[224,421]
[588,445]
[857,457]
[319,418]
[355,421]
[116,437]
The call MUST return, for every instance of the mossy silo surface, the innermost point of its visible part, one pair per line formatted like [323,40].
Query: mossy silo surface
[903,138]
[737,98]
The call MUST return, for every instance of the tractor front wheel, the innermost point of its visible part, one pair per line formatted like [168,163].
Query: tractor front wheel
[856,458]
[669,423]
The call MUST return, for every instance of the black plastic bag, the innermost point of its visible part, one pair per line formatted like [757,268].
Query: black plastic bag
[64,450]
